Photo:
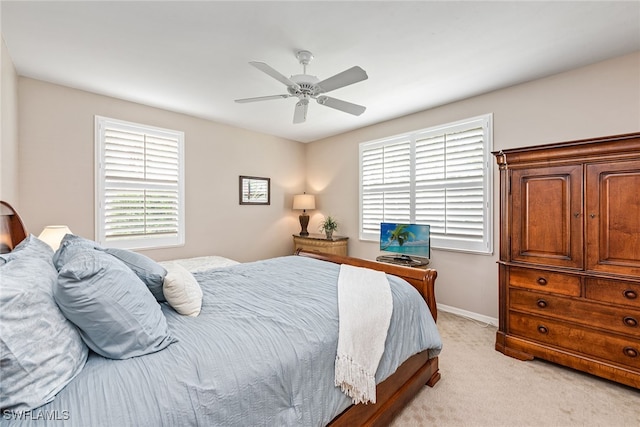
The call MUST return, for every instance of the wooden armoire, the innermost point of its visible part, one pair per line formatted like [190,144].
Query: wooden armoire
[569,269]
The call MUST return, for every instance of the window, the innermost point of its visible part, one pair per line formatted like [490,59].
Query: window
[139,185]
[439,176]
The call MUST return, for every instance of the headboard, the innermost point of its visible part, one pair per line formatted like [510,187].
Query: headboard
[12,230]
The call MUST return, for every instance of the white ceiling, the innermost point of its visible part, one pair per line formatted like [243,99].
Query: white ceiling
[192,57]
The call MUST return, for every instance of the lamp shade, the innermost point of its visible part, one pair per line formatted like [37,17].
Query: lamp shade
[304,201]
[52,235]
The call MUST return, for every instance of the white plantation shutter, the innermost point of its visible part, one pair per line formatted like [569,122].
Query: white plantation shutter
[446,184]
[386,181]
[140,185]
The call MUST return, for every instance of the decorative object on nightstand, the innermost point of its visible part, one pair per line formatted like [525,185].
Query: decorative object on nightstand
[337,245]
[52,235]
[329,225]
[304,202]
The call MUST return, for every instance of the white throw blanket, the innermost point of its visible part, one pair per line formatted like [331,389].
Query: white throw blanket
[365,306]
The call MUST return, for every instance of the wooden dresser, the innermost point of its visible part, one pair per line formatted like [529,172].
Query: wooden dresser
[569,268]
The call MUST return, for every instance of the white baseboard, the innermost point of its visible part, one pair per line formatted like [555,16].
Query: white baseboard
[469,314]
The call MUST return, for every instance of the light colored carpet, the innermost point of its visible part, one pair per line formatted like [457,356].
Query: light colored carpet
[482,387]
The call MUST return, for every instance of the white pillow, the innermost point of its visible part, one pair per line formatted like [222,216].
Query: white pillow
[202,263]
[182,290]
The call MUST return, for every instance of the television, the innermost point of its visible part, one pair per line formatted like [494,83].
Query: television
[409,243]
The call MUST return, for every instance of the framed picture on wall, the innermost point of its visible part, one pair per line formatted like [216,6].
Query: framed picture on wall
[255,190]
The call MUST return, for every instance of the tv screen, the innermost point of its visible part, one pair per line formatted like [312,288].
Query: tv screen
[405,239]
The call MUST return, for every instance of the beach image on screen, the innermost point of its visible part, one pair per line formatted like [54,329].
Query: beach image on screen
[407,239]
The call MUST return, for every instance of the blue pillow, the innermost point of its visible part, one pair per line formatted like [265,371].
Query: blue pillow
[116,314]
[30,247]
[41,350]
[70,246]
[149,271]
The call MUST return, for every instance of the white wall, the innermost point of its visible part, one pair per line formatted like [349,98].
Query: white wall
[8,129]
[56,174]
[598,100]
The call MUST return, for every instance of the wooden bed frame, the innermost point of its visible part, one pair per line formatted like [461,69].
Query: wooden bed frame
[12,230]
[398,390]
[392,395]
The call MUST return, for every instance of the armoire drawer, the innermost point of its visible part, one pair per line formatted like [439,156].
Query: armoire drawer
[558,283]
[614,292]
[617,349]
[617,319]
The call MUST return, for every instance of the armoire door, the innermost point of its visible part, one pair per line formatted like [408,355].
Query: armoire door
[547,220]
[613,217]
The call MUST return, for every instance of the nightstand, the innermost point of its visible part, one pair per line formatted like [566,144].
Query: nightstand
[337,245]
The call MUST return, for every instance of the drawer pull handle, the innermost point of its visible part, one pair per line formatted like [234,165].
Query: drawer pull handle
[541,281]
[543,329]
[541,303]
[630,352]
[630,294]
[630,321]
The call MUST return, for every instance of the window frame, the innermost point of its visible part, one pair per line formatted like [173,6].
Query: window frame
[441,242]
[151,241]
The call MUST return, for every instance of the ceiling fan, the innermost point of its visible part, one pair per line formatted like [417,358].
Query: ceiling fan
[306,87]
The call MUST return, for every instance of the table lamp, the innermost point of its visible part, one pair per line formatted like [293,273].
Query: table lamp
[52,235]
[304,202]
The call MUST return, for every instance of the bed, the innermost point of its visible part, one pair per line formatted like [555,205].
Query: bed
[260,352]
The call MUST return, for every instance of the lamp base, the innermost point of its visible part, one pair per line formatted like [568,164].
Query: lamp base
[304,222]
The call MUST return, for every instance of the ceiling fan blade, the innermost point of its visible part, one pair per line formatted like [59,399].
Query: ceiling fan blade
[261,98]
[341,105]
[300,113]
[273,73]
[345,78]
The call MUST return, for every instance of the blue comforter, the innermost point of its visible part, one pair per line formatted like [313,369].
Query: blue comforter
[261,353]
